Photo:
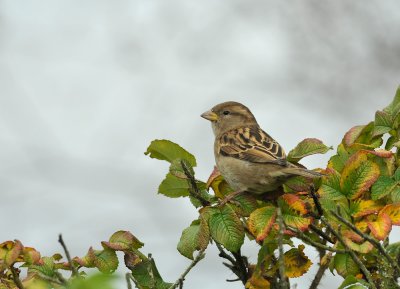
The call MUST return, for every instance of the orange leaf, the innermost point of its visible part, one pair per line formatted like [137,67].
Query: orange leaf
[295,203]
[393,211]
[381,228]
[214,174]
[260,222]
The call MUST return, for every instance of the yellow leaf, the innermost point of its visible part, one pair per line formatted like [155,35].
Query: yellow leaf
[261,220]
[296,262]
[365,207]
[295,203]
[381,228]
[257,281]
[393,211]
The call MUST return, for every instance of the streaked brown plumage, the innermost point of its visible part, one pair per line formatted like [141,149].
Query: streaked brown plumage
[248,158]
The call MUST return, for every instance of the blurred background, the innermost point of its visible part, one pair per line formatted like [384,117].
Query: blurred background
[86,85]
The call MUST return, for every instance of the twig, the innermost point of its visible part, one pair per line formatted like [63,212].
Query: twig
[307,239]
[193,189]
[71,264]
[316,201]
[196,260]
[128,280]
[377,244]
[365,271]
[238,264]
[320,273]
[16,279]
[321,233]
[283,284]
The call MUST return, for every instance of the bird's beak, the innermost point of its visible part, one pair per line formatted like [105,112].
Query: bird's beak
[211,116]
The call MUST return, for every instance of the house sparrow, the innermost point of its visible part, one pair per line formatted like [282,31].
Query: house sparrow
[246,156]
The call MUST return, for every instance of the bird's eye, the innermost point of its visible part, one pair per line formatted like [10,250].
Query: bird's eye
[226,112]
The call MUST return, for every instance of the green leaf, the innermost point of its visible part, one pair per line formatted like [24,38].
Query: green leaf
[382,187]
[147,275]
[195,237]
[338,161]
[330,186]
[358,175]
[397,174]
[169,151]
[123,240]
[353,134]
[345,265]
[394,107]
[174,187]
[97,281]
[225,227]
[383,123]
[261,220]
[45,269]
[307,147]
[105,260]
[352,282]
[246,204]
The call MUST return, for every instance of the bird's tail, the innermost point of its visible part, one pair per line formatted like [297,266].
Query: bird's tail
[296,171]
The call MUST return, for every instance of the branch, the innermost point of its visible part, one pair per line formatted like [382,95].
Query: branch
[238,264]
[196,260]
[311,242]
[377,244]
[320,273]
[16,279]
[128,280]
[284,284]
[193,189]
[316,201]
[71,264]
[365,271]
[321,233]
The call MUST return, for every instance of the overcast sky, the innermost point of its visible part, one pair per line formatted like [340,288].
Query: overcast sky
[85,86]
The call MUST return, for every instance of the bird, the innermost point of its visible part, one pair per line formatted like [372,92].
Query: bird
[248,158]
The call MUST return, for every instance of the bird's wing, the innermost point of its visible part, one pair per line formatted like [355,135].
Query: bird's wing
[252,144]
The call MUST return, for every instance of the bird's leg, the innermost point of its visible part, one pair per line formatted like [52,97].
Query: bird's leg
[229,197]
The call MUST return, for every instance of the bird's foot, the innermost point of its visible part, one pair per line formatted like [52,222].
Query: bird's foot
[229,198]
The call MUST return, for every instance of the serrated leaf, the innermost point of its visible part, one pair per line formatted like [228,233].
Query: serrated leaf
[307,147]
[381,228]
[105,260]
[360,208]
[338,161]
[195,237]
[174,187]
[246,204]
[393,211]
[352,135]
[261,220]
[396,175]
[296,262]
[293,218]
[169,151]
[344,265]
[225,227]
[87,261]
[352,282]
[330,186]
[10,251]
[382,187]
[257,281]
[357,243]
[295,203]
[147,276]
[123,240]
[46,268]
[358,175]
[383,123]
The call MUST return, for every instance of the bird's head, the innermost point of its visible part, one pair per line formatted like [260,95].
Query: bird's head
[229,115]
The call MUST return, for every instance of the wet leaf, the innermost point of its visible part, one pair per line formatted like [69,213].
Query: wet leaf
[307,147]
